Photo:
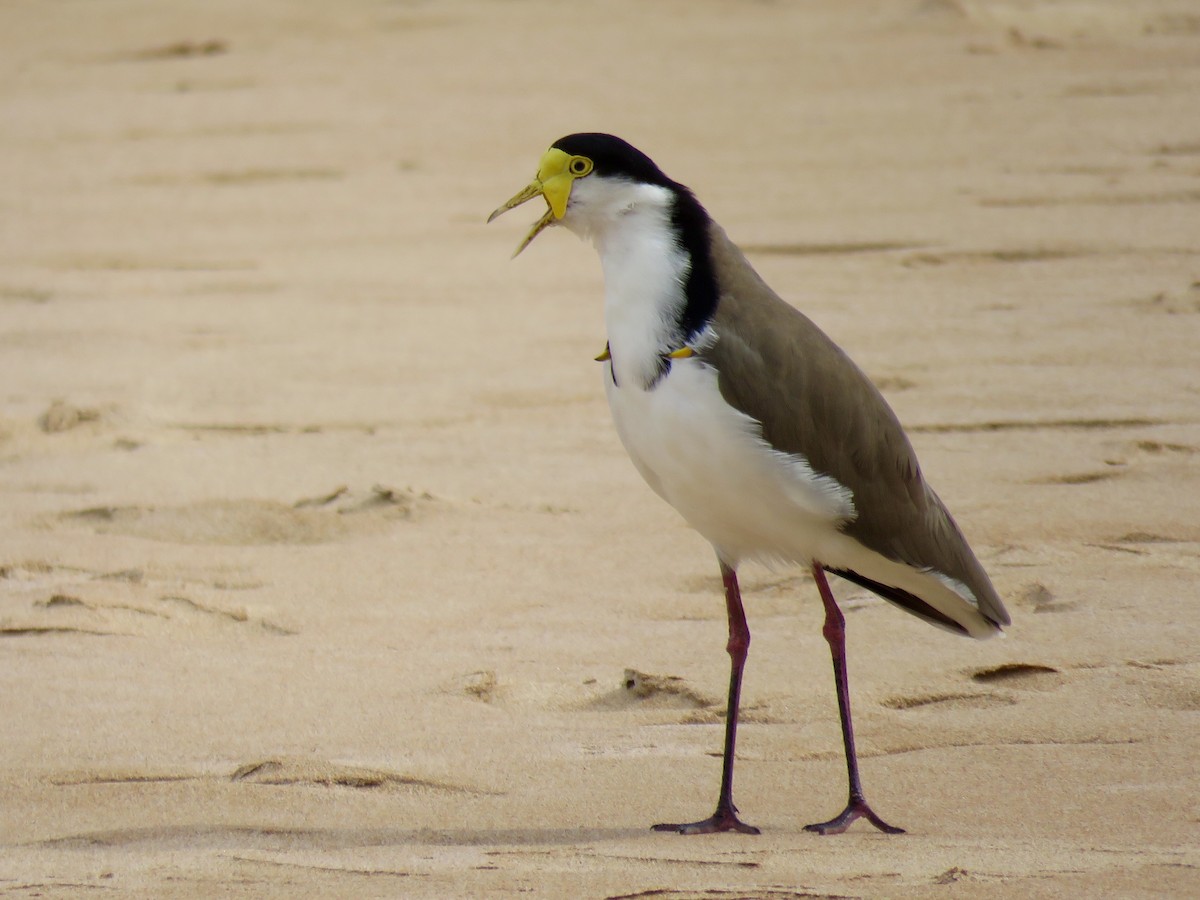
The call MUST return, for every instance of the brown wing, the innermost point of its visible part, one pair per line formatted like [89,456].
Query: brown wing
[776,366]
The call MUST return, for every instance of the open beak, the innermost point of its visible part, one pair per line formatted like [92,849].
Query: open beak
[553,182]
[535,189]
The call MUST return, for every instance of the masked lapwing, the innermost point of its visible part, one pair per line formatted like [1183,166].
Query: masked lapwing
[744,416]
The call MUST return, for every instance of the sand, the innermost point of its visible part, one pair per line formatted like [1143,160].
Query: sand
[322,568]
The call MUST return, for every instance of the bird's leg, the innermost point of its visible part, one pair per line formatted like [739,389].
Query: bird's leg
[835,634]
[725,818]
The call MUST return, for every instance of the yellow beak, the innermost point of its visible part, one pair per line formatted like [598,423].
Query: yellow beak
[553,182]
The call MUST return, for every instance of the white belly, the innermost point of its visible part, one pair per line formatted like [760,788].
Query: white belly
[709,461]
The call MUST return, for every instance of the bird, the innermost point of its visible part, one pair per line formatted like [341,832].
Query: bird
[741,413]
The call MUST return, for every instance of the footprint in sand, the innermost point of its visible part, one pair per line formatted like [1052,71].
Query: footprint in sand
[317,520]
[1039,599]
[39,598]
[325,773]
[949,701]
[1167,684]
[1173,302]
[1017,676]
[62,416]
[1132,457]
[1021,676]
[635,691]
[1075,478]
[644,691]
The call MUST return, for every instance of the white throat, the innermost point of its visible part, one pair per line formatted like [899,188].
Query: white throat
[645,270]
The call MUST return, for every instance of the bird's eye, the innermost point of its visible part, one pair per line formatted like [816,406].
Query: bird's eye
[579,166]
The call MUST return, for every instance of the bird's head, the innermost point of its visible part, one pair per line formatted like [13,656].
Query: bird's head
[581,167]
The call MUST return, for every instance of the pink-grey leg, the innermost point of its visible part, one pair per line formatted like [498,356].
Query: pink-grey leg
[725,818]
[835,634]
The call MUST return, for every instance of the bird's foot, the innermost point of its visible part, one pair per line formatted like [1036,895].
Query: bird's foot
[724,819]
[855,809]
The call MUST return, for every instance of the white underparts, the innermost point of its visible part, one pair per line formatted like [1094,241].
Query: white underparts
[709,461]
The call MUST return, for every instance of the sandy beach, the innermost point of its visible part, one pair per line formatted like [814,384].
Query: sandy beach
[324,574]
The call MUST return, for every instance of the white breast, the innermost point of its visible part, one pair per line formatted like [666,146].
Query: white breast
[709,461]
